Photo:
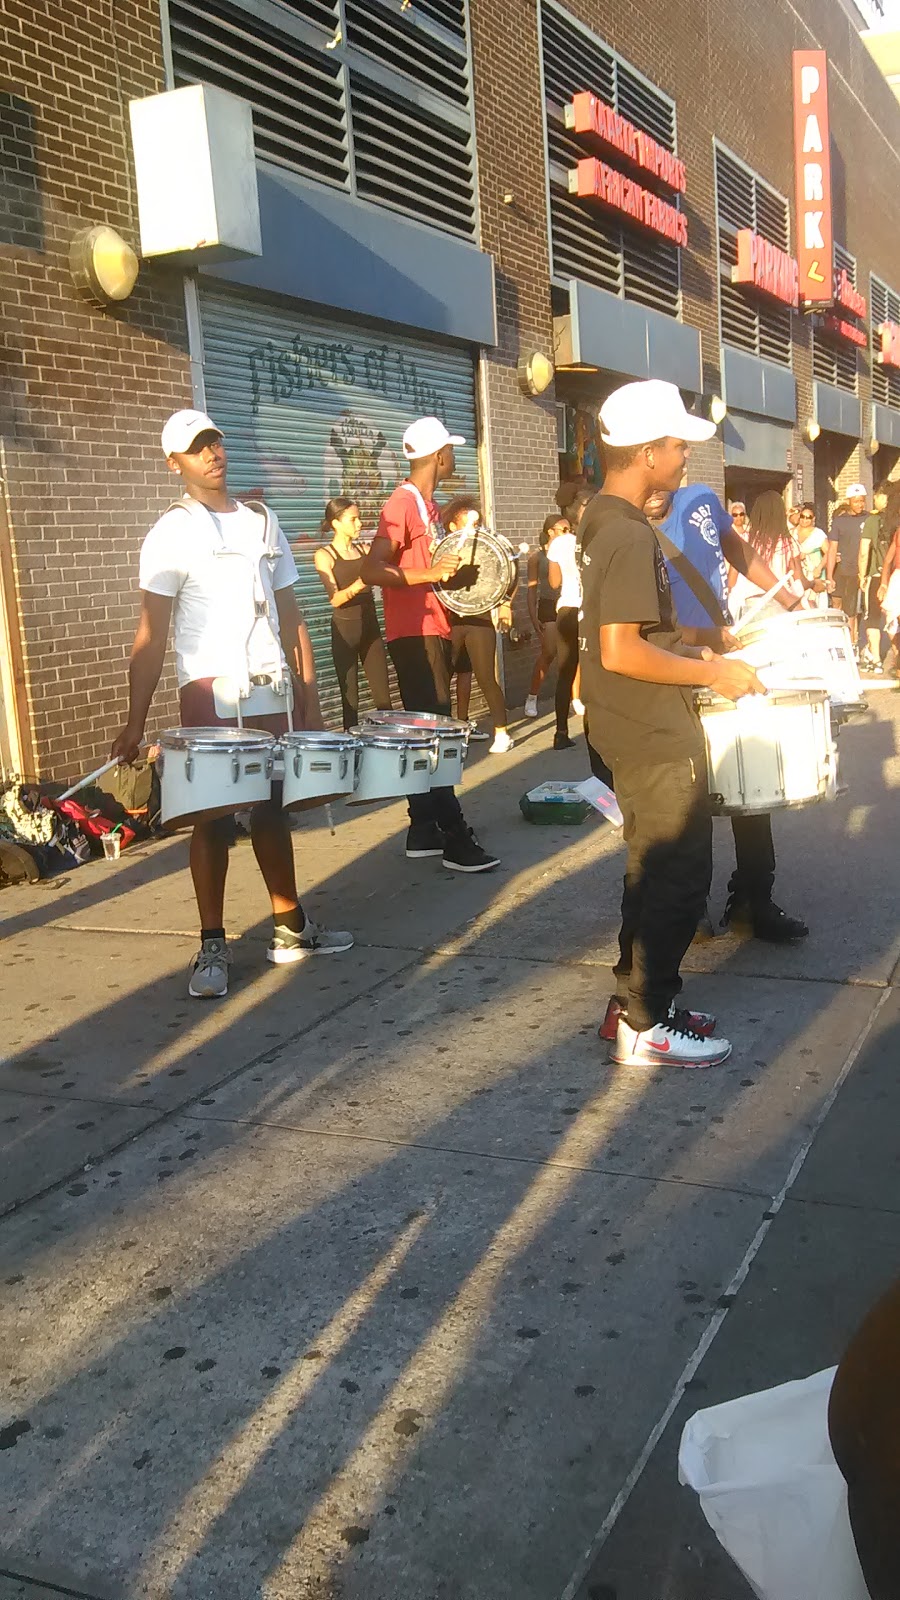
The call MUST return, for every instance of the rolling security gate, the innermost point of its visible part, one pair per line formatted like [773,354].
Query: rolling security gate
[314,408]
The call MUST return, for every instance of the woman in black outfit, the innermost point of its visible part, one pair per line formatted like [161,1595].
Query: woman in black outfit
[355,634]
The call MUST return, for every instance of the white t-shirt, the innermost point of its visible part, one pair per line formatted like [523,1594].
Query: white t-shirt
[215,568]
[562,551]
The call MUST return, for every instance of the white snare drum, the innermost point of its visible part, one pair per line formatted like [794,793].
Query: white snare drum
[452,738]
[209,772]
[769,752]
[805,646]
[392,764]
[318,766]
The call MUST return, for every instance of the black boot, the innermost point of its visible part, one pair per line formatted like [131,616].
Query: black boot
[764,921]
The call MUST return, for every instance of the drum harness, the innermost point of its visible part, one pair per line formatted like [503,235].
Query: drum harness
[244,684]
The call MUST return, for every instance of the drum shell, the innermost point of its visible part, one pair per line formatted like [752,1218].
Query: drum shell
[452,737]
[496,578]
[805,646]
[769,754]
[212,772]
[391,765]
[317,769]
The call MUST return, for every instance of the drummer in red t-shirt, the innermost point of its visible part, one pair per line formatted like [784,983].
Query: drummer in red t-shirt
[417,629]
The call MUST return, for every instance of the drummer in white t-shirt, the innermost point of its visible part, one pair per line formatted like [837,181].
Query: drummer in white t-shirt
[221,572]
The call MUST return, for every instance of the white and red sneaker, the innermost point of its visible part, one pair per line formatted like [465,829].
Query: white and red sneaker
[670,1043]
[701,1022]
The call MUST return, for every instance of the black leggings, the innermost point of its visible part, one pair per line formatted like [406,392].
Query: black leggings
[355,638]
[480,645]
[566,663]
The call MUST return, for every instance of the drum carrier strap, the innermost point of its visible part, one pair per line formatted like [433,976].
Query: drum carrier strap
[702,591]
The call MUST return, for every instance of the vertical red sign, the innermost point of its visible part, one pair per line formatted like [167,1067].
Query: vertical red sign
[812,165]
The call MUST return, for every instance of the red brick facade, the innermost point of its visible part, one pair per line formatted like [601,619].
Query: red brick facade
[84,391]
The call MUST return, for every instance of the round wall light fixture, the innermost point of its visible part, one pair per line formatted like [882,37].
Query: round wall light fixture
[812,430]
[536,372]
[718,410]
[104,268]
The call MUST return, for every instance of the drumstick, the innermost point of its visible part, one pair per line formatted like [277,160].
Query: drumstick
[758,605]
[83,782]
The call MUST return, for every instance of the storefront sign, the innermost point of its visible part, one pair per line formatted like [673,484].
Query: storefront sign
[842,329]
[594,180]
[588,115]
[812,166]
[889,354]
[766,268]
[845,295]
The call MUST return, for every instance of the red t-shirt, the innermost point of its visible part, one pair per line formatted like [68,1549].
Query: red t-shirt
[410,613]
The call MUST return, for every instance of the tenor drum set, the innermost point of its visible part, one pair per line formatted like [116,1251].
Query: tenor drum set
[212,772]
[780,752]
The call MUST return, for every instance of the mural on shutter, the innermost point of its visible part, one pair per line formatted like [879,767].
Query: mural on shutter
[884,306]
[585,243]
[313,408]
[744,200]
[364,95]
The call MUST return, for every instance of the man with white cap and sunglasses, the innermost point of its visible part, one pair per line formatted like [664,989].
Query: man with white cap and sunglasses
[637,682]
[418,629]
[183,582]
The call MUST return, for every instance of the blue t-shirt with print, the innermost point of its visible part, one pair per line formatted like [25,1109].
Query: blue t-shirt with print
[694,522]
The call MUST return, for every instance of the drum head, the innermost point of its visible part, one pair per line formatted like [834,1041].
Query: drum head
[230,739]
[486,576]
[415,722]
[317,739]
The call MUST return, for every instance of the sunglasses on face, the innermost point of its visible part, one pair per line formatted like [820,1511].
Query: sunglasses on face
[806,516]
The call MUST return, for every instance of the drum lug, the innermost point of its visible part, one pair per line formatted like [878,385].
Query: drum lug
[270,766]
[189,767]
[235,768]
[160,762]
[343,765]
[298,762]
[403,760]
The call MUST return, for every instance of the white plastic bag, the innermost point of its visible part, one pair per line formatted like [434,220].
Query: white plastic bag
[772,1493]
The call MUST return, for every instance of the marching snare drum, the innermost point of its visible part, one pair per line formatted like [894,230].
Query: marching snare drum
[318,766]
[452,737]
[804,646]
[392,763]
[487,574]
[769,752]
[209,772]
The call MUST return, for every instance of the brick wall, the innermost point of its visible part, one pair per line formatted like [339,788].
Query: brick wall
[521,431]
[84,391]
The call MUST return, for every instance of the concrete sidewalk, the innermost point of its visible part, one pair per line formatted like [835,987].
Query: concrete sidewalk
[372,1282]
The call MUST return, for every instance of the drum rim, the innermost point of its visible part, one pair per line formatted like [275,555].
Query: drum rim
[417,721]
[388,740]
[809,693]
[323,738]
[228,739]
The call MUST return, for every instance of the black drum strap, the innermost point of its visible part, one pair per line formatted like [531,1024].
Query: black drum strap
[702,591]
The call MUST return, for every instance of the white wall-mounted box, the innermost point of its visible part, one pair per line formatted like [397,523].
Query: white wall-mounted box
[196,175]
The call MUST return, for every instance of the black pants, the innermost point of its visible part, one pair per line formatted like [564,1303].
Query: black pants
[668,834]
[422,665]
[566,662]
[754,853]
[355,638]
[599,769]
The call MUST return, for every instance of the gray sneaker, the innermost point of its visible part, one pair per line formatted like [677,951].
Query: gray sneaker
[288,947]
[209,973]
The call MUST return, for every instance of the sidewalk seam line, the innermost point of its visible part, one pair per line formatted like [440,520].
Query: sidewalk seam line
[730,1294]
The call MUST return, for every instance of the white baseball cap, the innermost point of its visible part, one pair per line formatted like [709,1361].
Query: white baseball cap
[856,491]
[638,413]
[426,437]
[182,429]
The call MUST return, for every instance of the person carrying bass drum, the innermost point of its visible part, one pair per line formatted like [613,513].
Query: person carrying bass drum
[355,634]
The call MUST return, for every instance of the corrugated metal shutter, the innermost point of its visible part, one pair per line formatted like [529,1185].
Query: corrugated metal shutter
[745,200]
[366,95]
[833,358]
[884,306]
[587,243]
[314,408]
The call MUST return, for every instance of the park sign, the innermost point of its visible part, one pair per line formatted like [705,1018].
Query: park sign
[812,173]
[764,267]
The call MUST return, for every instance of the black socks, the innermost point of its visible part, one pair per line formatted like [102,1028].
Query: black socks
[294,921]
[211,933]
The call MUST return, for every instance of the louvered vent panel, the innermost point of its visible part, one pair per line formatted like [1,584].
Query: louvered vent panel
[296,95]
[884,307]
[397,42]
[588,242]
[409,161]
[745,201]
[833,358]
[451,14]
